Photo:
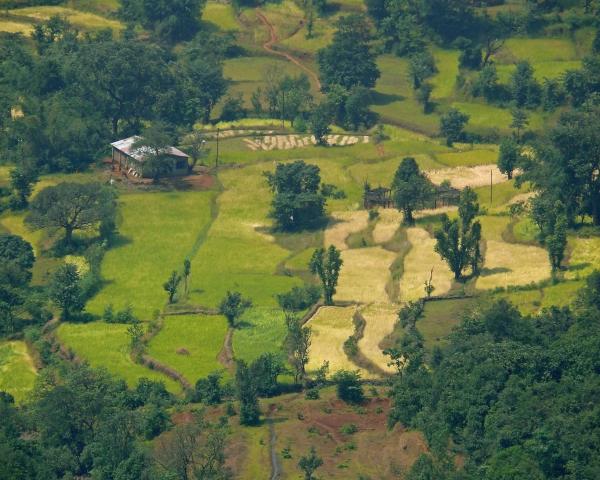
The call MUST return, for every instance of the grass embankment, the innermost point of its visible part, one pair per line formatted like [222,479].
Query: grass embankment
[107,346]
[190,344]
[17,372]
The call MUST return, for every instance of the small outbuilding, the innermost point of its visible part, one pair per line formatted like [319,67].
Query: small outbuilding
[130,160]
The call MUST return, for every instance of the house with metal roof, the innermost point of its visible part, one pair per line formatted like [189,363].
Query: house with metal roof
[129,159]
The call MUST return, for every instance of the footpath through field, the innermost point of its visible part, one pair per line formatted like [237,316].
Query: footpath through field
[273,39]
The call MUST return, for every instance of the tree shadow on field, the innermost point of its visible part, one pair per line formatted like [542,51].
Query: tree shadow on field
[486,272]
[243,324]
[119,241]
[579,266]
[378,98]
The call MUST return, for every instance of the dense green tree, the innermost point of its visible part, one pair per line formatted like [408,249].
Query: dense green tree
[452,124]
[309,464]
[72,206]
[556,240]
[209,389]
[299,298]
[319,124]
[22,180]
[297,201]
[327,264]
[509,156]
[172,284]
[349,388]
[553,94]
[170,20]
[233,306]
[410,188]
[525,90]
[423,95]
[297,344]
[247,395]
[155,143]
[349,61]
[457,242]
[264,372]
[421,66]
[122,80]
[486,84]
[520,121]
[65,290]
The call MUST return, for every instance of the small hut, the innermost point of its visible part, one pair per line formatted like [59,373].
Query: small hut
[130,160]
[376,197]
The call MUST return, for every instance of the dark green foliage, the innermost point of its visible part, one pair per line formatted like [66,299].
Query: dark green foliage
[348,61]
[513,393]
[327,264]
[299,298]
[297,202]
[65,291]
[309,464]
[458,240]
[563,168]
[486,84]
[410,188]
[470,54]
[452,124]
[233,306]
[155,142]
[319,124]
[556,240]
[72,206]
[297,346]
[349,388]
[209,390]
[246,391]
[423,95]
[264,372]
[22,180]
[170,20]
[421,67]
[509,156]
[553,94]
[526,91]
[171,285]
[233,108]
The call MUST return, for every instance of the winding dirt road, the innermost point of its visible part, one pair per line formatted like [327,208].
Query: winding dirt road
[269,44]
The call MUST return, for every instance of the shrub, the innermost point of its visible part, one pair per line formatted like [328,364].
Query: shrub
[312,394]
[349,388]
[349,429]
[299,298]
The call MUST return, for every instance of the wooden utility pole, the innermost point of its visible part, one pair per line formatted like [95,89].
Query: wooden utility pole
[491,188]
[217,157]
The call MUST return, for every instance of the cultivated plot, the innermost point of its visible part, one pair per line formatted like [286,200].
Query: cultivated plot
[379,322]
[17,372]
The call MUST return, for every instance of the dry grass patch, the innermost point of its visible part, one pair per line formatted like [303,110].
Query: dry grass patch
[585,257]
[380,320]
[15,27]
[461,177]
[364,275]
[85,20]
[345,224]
[387,224]
[419,261]
[331,327]
[511,264]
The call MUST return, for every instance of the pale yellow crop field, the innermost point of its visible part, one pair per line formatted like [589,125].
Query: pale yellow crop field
[387,224]
[379,322]
[419,261]
[345,223]
[364,275]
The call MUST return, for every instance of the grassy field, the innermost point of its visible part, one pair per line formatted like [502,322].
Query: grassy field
[80,19]
[262,331]
[190,344]
[585,257]
[107,345]
[220,14]
[156,233]
[239,253]
[440,317]
[17,372]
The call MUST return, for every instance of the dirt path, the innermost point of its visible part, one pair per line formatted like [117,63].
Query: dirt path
[269,44]
[275,465]
[226,354]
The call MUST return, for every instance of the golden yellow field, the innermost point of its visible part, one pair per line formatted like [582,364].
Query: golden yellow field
[419,261]
[345,223]
[331,327]
[380,320]
[461,177]
[387,224]
[364,275]
[511,264]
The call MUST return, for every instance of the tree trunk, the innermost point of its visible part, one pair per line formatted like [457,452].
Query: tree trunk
[68,235]
[115,127]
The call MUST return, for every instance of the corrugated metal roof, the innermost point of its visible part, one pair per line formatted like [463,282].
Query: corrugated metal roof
[126,146]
